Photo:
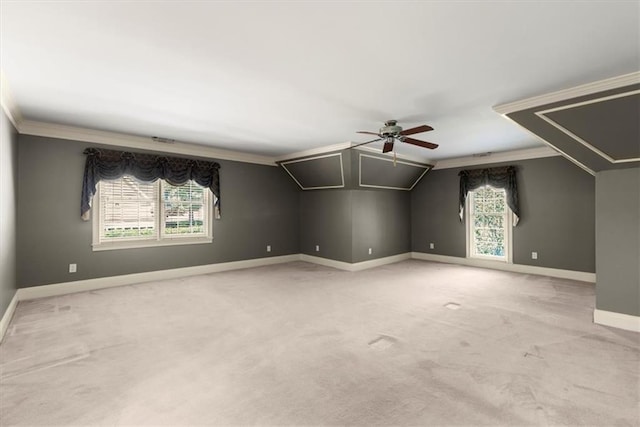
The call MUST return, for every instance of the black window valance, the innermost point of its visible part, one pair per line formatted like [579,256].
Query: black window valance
[112,164]
[500,177]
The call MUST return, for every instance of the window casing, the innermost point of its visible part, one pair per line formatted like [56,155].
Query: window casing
[132,214]
[489,223]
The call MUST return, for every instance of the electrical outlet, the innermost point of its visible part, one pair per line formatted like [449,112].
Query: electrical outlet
[369,251]
[432,246]
[534,255]
[317,248]
[73,268]
[268,248]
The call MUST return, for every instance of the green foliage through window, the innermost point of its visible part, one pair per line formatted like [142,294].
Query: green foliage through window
[488,216]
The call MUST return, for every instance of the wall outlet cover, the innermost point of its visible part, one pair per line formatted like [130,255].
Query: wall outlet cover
[534,255]
[73,268]
[317,248]
[432,246]
[268,248]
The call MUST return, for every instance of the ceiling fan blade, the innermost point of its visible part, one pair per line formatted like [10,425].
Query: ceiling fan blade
[388,146]
[423,128]
[367,132]
[420,143]
[363,143]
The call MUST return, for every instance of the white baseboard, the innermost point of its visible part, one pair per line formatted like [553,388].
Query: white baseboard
[359,266]
[616,320]
[43,291]
[128,279]
[8,315]
[516,268]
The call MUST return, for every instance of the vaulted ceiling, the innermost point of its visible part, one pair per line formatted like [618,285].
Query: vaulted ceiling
[272,78]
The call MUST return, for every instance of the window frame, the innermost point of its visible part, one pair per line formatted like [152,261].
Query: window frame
[161,239]
[470,230]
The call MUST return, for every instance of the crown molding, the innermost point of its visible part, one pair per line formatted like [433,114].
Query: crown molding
[499,157]
[51,130]
[8,105]
[314,151]
[422,160]
[346,145]
[562,95]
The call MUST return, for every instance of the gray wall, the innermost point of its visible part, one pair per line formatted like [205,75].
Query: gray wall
[618,241]
[346,223]
[325,220]
[8,213]
[381,221]
[260,206]
[557,203]
[434,214]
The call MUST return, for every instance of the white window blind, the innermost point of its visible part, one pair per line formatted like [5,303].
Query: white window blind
[128,209]
[185,210]
[134,214]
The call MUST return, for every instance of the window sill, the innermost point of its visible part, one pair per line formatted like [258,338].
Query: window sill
[150,243]
[490,258]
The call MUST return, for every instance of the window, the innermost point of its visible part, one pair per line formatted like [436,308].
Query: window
[488,225]
[133,214]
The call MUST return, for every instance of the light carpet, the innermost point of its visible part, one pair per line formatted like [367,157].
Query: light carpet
[412,343]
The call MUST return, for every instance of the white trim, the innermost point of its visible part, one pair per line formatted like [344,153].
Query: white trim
[498,157]
[515,268]
[345,146]
[150,243]
[283,164]
[8,104]
[129,279]
[553,147]
[43,291]
[543,115]
[470,232]
[561,95]
[425,167]
[616,320]
[51,130]
[313,151]
[161,239]
[359,266]
[424,160]
[8,315]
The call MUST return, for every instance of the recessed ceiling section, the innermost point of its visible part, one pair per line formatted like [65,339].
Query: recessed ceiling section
[602,124]
[318,172]
[597,131]
[385,173]
[355,169]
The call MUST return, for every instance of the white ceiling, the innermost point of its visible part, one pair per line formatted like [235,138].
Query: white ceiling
[274,78]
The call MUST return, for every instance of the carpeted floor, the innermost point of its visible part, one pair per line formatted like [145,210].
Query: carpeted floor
[413,343]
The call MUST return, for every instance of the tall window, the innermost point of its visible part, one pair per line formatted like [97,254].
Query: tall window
[131,213]
[488,225]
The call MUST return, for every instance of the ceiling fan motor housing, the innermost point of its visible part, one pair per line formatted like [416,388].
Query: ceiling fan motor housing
[390,129]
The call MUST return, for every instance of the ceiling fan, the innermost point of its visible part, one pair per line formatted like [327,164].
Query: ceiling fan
[391,132]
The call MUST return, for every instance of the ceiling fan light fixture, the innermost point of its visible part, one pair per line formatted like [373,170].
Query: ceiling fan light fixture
[391,131]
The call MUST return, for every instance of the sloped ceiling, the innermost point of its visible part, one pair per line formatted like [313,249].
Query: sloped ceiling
[273,78]
[596,127]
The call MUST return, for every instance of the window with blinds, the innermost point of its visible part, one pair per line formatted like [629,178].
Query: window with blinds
[131,213]
[184,210]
